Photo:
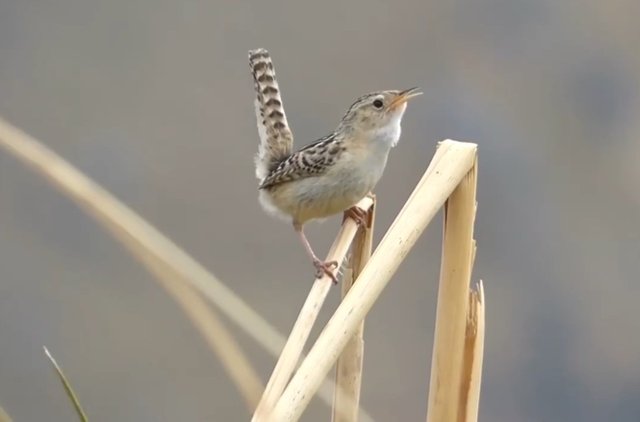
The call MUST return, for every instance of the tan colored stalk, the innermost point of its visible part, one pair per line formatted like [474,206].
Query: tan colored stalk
[451,163]
[346,398]
[288,360]
[219,339]
[446,400]
[4,416]
[147,243]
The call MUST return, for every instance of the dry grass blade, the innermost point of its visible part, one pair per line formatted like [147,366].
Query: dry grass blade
[452,162]
[446,399]
[145,242]
[67,387]
[4,416]
[292,351]
[215,334]
[346,398]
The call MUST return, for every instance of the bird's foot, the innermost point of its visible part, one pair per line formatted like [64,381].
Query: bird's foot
[360,216]
[326,267]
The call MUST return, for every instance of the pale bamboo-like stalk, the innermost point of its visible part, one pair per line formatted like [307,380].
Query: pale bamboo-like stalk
[473,353]
[288,360]
[445,390]
[451,163]
[145,242]
[349,366]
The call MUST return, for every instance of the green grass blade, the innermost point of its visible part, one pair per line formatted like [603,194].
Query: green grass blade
[67,387]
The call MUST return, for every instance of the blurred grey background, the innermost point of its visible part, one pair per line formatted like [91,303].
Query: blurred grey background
[153,99]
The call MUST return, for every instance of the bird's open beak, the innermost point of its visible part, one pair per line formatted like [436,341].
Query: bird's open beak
[404,96]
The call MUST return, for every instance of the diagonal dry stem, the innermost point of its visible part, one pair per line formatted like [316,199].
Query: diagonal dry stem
[292,351]
[147,243]
[4,416]
[213,330]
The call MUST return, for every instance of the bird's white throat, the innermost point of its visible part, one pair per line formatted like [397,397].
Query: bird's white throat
[389,135]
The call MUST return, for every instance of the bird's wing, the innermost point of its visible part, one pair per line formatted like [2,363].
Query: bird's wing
[312,160]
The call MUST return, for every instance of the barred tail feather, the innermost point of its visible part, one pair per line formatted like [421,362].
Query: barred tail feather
[276,139]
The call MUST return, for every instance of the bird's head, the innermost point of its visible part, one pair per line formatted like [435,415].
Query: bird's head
[377,115]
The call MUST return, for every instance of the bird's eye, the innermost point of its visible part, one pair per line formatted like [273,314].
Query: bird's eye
[377,104]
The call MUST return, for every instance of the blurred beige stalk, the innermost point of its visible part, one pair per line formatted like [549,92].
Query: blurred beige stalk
[161,257]
[4,416]
[349,367]
[448,393]
[451,163]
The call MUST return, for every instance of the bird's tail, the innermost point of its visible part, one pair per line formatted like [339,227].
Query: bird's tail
[276,139]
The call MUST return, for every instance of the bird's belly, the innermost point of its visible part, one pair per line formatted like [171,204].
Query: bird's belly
[315,197]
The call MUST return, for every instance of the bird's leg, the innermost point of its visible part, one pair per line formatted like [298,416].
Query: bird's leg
[322,267]
[360,216]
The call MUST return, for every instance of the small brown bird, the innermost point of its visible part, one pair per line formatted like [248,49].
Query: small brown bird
[332,174]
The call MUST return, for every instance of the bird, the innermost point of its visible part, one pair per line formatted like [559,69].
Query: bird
[333,173]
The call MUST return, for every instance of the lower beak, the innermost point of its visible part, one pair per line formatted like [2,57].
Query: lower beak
[404,96]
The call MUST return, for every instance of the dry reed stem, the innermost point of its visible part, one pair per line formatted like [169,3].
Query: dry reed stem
[4,416]
[473,353]
[445,391]
[214,332]
[349,366]
[145,242]
[288,360]
[450,164]
[67,387]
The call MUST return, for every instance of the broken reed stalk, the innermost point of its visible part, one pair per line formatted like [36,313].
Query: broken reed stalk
[147,243]
[473,353]
[67,387]
[288,360]
[349,366]
[451,163]
[445,391]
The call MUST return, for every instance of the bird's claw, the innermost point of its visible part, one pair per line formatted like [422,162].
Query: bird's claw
[326,268]
[360,216]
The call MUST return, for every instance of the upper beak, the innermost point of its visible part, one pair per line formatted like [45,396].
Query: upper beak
[404,96]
